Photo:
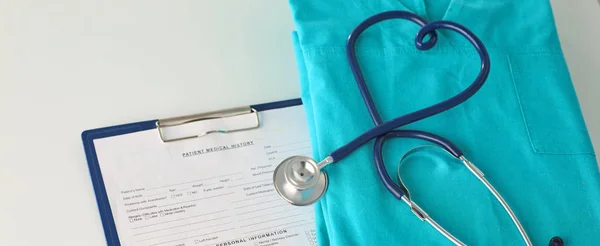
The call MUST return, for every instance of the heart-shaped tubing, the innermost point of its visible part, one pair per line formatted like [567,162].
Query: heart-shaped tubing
[396,190]
[383,128]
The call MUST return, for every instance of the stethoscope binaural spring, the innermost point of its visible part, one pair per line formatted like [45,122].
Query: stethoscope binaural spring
[301,181]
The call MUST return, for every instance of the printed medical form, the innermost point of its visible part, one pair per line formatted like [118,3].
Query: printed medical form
[211,190]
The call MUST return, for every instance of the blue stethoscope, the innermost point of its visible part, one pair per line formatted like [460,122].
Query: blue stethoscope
[299,179]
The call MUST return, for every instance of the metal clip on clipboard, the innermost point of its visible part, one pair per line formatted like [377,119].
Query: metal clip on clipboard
[163,124]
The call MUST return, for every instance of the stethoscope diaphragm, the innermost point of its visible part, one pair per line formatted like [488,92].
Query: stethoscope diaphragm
[300,181]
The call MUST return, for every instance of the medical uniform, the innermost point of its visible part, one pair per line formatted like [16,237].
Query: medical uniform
[523,129]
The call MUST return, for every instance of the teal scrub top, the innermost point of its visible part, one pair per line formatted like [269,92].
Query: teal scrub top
[523,129]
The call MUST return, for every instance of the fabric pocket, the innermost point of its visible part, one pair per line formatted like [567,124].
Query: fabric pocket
[549,105]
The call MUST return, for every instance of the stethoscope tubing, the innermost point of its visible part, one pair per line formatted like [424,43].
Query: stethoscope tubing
[383,128]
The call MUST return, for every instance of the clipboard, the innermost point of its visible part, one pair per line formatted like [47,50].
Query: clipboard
[88,137]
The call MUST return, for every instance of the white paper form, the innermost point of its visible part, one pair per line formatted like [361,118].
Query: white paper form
[212,190]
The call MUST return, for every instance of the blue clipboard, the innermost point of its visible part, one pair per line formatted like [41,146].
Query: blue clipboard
[88,136]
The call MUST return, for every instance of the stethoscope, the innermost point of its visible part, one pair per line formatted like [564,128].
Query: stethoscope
[301,181]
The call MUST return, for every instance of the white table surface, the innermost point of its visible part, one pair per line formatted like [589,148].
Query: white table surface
[71,65]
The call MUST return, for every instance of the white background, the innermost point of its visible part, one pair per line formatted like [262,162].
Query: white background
[71,65]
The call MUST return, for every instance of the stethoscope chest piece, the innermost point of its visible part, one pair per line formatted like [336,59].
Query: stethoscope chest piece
[299,180]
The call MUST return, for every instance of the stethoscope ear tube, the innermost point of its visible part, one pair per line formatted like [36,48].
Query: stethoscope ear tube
[475,171]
